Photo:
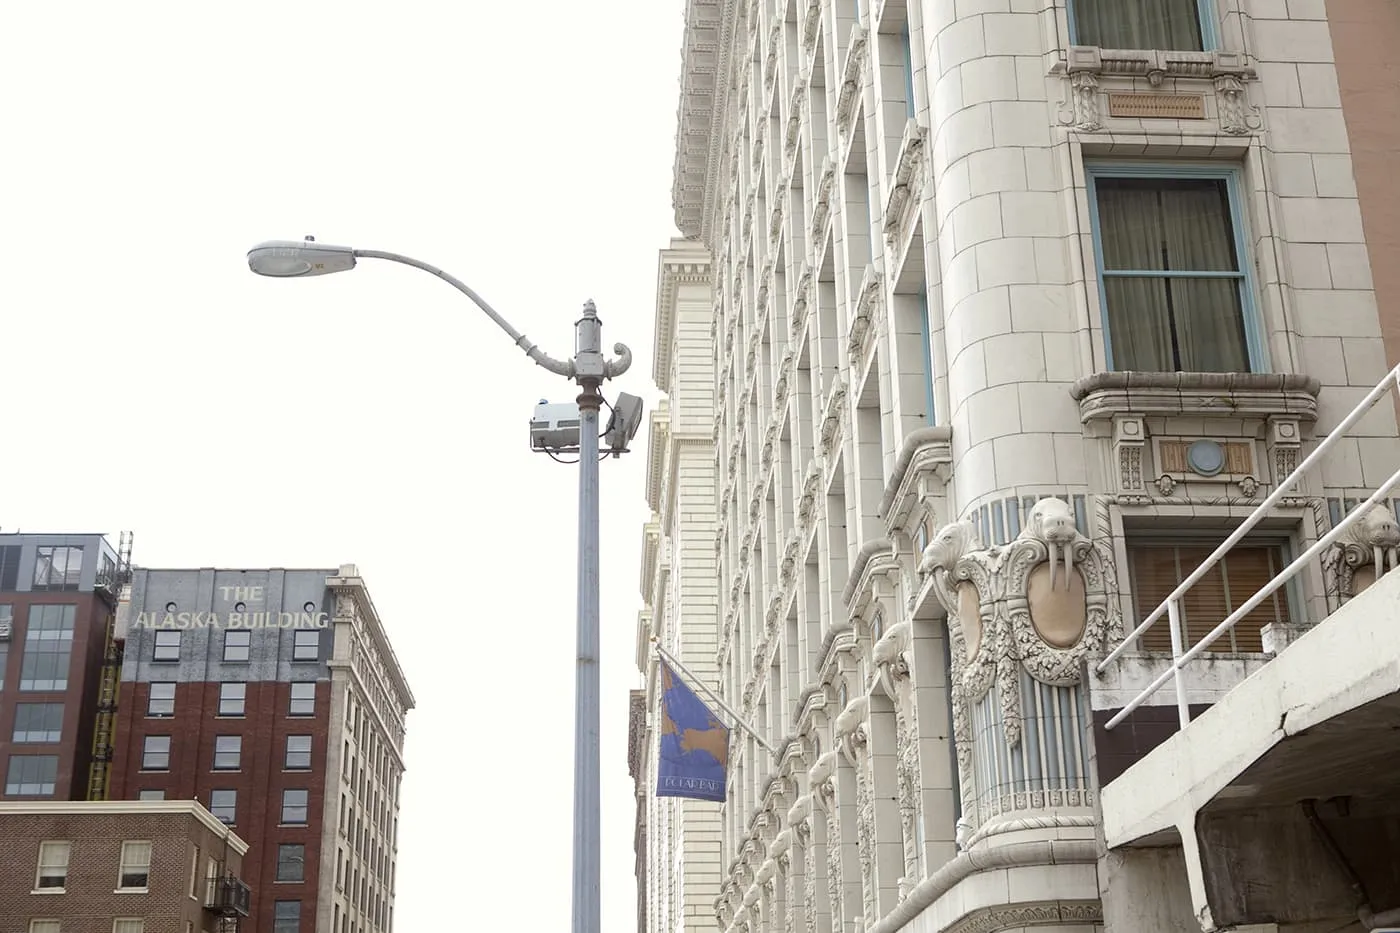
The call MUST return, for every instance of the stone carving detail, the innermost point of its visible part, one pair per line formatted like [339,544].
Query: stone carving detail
[851,735]
[799,818]
[1285,441]
[822,777]
[1237,117]
[1042,604]
[1366,550]
[1081,108]
[1129,439]
[832,413]
[1018,916]
[866,315]
[889,657]
[801,301]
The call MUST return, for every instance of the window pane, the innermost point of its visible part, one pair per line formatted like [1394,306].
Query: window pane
[298,752]
[1157,568]
[32,775]
[228,750]
[155,753]
[161,701]
[167,646]
[303,702]
[53,864]
[232,699]
[236,645]
[135,868]
[286,917]
[306,646]
[151,795]
[1171,323]
[38,722]
[294,807]
[1138,24]
[223,803]
[291,862]
[48,645]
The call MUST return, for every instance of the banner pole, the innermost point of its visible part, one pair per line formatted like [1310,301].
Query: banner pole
[738,720]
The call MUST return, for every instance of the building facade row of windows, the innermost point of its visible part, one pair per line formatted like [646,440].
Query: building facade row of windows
[233,699]
[228,753]
[237,646]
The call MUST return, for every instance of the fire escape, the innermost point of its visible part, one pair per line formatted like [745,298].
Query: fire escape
[115,589]
[230,901]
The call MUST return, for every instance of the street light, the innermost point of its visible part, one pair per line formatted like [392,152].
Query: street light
[588,368]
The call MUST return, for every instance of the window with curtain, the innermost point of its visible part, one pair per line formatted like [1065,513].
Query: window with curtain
[1173,284]
[1157,567]
[1172,25]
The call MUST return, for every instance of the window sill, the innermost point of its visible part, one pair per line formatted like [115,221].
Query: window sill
[49,891]
[132,891]
[1156,64]
[1104,396]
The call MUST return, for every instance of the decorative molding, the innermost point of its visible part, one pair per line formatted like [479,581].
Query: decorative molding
[821,206]
[1020,916]
[921,471]
[906,184]
[833,413]
[1154,65]
[801,302]
[848,94]
[1196,395]
[866,315]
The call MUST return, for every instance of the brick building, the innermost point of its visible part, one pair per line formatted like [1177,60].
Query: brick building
[273,698]
[119,867]
[57,601]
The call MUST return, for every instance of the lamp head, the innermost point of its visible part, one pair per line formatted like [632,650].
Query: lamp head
[283,259]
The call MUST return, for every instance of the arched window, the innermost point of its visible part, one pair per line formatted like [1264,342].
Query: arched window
[877,627]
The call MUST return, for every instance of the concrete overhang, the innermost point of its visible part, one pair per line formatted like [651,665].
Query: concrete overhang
[1320,721]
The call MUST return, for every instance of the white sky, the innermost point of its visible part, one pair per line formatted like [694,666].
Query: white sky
[374,417]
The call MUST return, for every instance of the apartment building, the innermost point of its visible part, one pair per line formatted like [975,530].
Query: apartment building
[119,867]
[58,596]
[679,583]
[1017,310]
[273,697]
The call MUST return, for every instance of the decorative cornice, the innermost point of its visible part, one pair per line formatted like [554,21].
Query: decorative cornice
[867,563]
[705,82]
[926,452]
[1049,852]
[682,264]
[1154,65]
[657,436]
[1259,395]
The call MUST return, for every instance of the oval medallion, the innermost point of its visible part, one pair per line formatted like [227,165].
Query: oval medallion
[970,617]
[1059,615]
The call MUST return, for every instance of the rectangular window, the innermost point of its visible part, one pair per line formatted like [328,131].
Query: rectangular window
[135,870]
[129,925]
[4,661]
[306,645]
[232,699]
[298,757]
[286,917]
[161,701]
[211,879]
[294,803]
[57,568]
[38,723]
[167,647]
[151,795]
[44,926]
[1166,25]
[1158,565]
[228,751]
[194,872]
[1175,289]
[303,701]
[155,753]
[236,645]
[7,619]
[926,347]
[48,647]
[31,776]
[291,862]
[223,804]
[52,873]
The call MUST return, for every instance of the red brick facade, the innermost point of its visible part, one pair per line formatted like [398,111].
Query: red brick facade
[74,750]
[88,903]
[259,782]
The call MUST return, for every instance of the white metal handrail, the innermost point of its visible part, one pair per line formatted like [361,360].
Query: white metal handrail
[1171,605]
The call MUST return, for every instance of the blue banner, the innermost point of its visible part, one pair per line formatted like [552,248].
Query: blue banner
[694,744]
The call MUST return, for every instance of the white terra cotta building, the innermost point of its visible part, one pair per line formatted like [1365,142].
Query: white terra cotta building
[1008,312]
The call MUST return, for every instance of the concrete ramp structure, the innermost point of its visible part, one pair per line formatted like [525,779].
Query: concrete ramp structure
[1280,804]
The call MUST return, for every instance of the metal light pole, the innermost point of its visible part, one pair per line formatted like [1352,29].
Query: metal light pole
[588,368]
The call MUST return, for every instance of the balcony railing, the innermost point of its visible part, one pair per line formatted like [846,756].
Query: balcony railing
[1171,606]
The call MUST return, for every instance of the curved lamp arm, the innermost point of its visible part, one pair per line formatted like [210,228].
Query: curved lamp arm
[558,367]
